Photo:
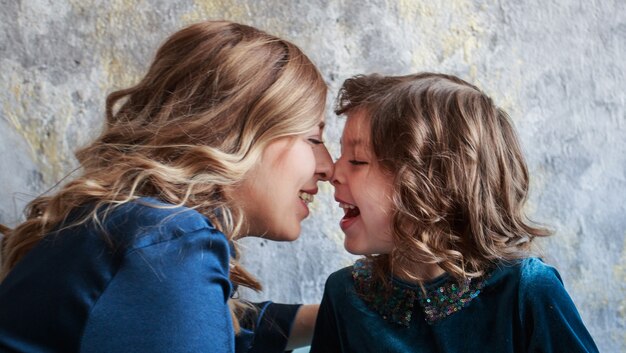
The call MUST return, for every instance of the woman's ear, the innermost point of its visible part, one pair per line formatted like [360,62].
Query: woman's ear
[4,235]
[4,230]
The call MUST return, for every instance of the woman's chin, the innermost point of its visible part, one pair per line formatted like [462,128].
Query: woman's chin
[289,237]
[285,235]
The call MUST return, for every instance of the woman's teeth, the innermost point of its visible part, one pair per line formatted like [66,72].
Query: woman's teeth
[306,197]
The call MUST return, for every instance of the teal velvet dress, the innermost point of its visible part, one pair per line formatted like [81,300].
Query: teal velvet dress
[519,307]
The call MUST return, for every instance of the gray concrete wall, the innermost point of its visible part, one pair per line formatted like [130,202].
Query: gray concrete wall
[557,67]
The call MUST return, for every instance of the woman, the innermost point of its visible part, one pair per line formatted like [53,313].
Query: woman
[221,139]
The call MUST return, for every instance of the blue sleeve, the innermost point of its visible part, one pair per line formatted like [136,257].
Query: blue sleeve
[272,326]
[549,315]
[169,296]
[326,337]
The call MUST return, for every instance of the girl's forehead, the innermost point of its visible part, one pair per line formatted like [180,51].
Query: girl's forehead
[356,131]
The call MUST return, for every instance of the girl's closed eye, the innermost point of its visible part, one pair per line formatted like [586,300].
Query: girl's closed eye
[357,162]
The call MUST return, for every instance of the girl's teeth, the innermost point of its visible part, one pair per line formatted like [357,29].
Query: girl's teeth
[346,205]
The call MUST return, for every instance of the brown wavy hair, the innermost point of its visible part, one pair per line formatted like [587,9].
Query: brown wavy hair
[459,177]
[214,96]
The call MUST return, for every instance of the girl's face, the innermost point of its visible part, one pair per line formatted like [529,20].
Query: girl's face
[277,191]
[363,190]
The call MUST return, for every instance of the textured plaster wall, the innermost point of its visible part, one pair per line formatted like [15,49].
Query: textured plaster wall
[557,67]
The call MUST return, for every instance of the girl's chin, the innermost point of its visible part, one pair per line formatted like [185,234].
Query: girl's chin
[353,248]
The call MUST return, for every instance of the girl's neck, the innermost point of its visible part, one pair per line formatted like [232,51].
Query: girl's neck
[416,272]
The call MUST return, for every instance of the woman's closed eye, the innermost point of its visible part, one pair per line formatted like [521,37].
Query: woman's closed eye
[316,141]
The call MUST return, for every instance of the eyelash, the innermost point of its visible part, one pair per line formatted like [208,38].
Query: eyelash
[355,162]
[316,141]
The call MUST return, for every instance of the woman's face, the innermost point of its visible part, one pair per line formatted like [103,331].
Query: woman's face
[276,193]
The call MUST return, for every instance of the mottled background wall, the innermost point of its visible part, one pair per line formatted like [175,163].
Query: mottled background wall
[558,67]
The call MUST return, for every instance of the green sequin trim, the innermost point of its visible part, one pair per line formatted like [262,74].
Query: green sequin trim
[396,303]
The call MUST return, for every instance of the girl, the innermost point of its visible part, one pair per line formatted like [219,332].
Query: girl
[433,183]
[221,139]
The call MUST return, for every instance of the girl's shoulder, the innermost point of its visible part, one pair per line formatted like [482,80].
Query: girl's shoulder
[350,276]
[341,295]
[537,276]
[535,267]
[527,271]
[340,279]
[524,272]
[531,278]
[339,287]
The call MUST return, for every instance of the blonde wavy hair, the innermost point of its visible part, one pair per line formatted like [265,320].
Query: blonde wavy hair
[459,177]
[215,95]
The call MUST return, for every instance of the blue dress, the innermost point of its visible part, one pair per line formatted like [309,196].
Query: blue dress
[160,285]
[520,307]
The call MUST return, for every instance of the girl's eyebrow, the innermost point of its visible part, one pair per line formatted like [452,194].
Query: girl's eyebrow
[353,142]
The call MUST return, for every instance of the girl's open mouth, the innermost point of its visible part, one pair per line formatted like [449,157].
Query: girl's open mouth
[351,212]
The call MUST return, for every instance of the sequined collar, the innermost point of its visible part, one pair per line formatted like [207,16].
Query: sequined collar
[443,297]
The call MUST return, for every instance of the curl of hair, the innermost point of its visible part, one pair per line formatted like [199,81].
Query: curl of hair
[459,177]
[214,96]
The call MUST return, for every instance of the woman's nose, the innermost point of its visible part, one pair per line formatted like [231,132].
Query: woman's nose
[324,164]
[335,179]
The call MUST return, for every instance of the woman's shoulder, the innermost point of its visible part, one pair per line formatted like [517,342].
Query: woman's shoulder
[153,211]
[147,221]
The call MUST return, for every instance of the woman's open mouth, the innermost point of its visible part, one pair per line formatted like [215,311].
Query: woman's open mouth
[306,197]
